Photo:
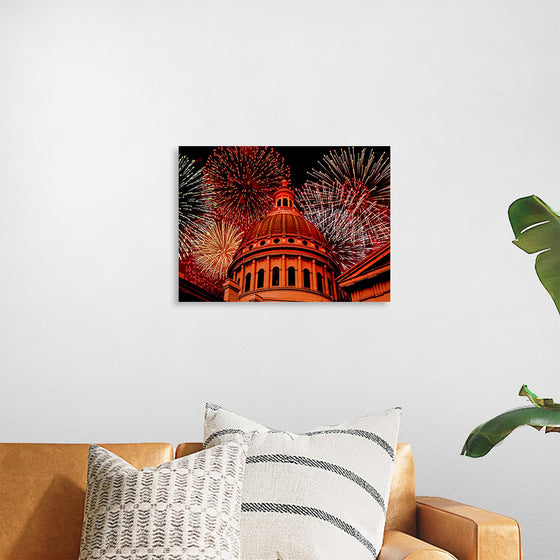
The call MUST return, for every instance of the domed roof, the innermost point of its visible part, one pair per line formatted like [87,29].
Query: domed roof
[283,223]
[283,234]
[283,220]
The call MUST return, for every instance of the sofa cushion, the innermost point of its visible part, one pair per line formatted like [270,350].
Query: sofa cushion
[42,492]
[187,509]
[322,494]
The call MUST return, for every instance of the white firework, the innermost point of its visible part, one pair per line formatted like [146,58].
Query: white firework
[363,167]
[194,204]
[352,223]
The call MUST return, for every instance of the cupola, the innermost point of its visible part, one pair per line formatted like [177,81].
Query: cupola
[284,196]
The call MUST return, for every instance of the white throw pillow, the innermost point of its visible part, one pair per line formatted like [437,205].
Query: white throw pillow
[321,495]
[187,509]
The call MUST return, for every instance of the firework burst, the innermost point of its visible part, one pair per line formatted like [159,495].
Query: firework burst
[243,180]
[194,203]
[214,247]
[363,169]
[353,224]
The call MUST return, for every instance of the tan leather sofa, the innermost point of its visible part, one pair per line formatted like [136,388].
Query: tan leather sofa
[42,491]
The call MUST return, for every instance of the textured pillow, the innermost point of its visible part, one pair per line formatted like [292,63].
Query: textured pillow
[187,509]
[321,495]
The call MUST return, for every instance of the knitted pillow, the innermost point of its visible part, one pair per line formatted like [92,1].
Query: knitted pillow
[312,496]
[187,509]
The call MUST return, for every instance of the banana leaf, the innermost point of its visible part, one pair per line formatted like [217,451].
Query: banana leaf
[537,401]
[543,413]
[536,227]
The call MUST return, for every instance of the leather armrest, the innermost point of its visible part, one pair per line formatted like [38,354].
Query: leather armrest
[401,546]
[467,532]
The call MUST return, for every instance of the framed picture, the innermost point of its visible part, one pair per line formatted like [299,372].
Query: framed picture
[284,223]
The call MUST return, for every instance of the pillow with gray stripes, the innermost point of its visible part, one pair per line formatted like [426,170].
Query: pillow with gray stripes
[313,496]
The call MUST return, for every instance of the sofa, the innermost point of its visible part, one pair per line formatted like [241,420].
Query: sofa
[42,492]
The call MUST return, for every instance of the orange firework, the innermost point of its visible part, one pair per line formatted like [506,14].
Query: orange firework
[215,246]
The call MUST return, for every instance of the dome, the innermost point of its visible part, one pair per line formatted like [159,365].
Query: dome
[283,224]
[284,221]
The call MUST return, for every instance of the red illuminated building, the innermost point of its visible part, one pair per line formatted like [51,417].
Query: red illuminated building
[283,258]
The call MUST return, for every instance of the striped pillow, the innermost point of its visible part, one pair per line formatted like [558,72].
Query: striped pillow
[312,496]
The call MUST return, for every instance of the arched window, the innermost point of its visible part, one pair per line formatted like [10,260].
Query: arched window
[306,278]
[275,276]
[285,202]
[279,203]
[319,281]
[291,276]
[260,278]
[329,286]
[247,281]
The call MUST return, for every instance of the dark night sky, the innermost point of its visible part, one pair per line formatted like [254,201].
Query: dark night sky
[300,159]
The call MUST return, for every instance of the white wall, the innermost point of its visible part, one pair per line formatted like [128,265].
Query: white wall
[95,98]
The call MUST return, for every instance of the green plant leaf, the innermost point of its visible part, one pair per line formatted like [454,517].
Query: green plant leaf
[483,438]
[536,227]
[537,401]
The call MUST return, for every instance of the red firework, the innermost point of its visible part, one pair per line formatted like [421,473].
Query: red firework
[242,180]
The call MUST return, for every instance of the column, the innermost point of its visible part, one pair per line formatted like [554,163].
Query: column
[267,272]
[283,281]
[314,275]
[299,280]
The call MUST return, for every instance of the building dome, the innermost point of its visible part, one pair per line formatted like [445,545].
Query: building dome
[283,257]
[284,224]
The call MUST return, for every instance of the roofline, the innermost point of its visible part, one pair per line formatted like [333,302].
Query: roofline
[368,260]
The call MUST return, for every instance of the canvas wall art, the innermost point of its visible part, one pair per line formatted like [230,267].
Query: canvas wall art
[284,223]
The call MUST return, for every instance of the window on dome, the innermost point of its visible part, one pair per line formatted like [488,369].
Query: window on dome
[290,240]
[291,276]
[319,282]
[285,203]
[247,281]
[262,242]
[260,278]
[306,278]
[329,286]
[275,276]
[304,242]
[279,203]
